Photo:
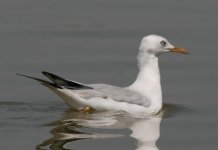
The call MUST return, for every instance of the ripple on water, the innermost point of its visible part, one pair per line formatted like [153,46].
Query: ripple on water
[75,126]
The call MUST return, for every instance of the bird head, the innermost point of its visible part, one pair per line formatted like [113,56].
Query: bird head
[155,45]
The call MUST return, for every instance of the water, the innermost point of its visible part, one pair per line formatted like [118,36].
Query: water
[83,41]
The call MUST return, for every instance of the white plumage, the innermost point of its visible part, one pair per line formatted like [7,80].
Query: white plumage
[144,96]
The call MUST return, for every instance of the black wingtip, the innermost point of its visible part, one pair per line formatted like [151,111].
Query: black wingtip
[64,82]
[50,75]
[45,72]
[19,74]
[44,82]
[56,79]
[34,78]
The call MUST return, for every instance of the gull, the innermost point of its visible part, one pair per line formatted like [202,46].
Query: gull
[143,96]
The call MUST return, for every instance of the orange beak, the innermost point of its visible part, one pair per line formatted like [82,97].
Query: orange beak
[179,50]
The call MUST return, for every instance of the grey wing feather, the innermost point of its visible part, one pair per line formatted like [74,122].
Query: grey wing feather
[119,94]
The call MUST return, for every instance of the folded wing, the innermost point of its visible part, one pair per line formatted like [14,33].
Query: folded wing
[116,93]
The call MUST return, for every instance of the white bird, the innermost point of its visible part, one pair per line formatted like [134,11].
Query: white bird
[144,96]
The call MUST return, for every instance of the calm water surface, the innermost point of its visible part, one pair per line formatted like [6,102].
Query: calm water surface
[97,41]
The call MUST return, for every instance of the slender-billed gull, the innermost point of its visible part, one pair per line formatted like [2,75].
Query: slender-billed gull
[144,96]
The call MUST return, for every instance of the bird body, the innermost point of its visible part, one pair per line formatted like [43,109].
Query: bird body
[144,96]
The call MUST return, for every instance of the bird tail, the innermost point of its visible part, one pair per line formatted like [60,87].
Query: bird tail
[43,82]
[65,83]
[58,82]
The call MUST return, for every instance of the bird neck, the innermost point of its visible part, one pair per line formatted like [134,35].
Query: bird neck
[147,82]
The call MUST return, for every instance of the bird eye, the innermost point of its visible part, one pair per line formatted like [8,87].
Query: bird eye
[163,43]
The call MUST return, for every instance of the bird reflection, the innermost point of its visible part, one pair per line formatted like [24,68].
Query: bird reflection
[145,130]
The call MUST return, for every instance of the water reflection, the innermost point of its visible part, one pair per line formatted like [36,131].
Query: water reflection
[145,130]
